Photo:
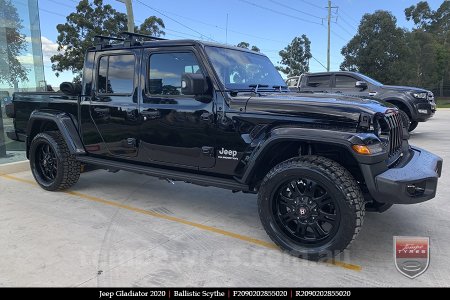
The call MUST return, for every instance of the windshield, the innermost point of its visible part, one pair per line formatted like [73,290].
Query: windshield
[370,80]
[240,69]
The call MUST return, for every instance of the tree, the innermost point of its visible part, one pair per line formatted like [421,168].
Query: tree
[422,59]
[295,56]
[246,45]
[378,49]
[11,70]
[255,48]
[431,32]
[152,26]
[90,19]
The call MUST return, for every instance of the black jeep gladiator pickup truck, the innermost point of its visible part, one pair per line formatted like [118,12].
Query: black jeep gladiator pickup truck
[415,104]
[221,116]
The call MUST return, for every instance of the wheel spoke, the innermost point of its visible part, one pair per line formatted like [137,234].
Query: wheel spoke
[301,229]
[323,199]
[318,231]
[289,216]
[311,188]
[294,188]
[324,216]
[286,201]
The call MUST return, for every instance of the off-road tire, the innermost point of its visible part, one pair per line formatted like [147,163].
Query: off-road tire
[67,167]
[342,186]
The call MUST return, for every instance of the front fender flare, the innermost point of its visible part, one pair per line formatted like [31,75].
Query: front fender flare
[310,135]
[406,103]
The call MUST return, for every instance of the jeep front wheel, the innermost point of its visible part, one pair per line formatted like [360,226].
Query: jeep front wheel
[311,207]
[52,165]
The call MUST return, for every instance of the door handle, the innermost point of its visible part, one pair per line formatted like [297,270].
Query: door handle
[206,116]
[101,110]
[151,114]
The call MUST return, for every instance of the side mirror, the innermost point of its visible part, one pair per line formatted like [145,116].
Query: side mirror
[70,88]
[193,84]
[361,85]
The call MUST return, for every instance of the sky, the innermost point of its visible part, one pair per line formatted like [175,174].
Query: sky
[269,24]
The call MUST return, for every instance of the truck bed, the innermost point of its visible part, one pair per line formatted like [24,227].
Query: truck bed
[26,103]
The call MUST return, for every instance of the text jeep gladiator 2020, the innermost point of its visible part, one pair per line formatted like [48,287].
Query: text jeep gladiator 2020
[221,116]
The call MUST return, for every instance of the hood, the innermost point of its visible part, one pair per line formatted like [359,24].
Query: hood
[403,88]
[320,106]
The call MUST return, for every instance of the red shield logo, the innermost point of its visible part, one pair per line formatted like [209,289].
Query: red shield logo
[411,255]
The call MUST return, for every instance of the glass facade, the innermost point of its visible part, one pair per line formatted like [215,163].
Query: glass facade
[21,64]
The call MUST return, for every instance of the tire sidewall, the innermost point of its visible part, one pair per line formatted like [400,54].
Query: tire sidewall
[404,117]
[40,139]
[346,226]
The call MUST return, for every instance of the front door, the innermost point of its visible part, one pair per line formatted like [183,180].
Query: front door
[114,105]
[177,129]
[345,84]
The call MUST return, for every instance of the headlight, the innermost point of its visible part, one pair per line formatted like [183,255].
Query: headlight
[421,95]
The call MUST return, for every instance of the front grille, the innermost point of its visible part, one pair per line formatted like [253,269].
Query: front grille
[395,128]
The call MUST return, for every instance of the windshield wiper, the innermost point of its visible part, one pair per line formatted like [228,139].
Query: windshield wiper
[257,86]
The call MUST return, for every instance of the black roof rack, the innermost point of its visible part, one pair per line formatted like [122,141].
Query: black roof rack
[130,35]
[131,39]
[101,41]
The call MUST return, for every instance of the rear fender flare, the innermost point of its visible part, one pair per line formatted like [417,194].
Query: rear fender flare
[66,127]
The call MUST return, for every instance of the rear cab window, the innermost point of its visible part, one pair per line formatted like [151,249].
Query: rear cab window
[319,81]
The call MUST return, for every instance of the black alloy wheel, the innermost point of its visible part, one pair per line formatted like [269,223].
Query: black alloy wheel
[311,207]
[306,211]
[52,164]
[47,163]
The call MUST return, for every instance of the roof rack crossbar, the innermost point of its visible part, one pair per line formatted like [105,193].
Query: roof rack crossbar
[130,39]
[101,41]
[130,35]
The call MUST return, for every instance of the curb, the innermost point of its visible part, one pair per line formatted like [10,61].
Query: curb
[14,167]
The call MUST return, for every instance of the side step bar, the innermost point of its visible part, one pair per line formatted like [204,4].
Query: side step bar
[198,179]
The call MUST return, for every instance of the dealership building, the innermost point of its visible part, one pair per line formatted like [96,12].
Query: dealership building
[21,64]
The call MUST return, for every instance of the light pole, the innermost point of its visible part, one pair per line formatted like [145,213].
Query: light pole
[130,16]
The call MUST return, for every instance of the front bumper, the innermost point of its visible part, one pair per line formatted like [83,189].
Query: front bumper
[414,180]
[425,111]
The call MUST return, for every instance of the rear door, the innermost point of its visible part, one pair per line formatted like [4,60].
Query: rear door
[114,102]
[317,83]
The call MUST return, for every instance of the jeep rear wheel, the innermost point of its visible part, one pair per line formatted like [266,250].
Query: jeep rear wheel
[311,207]
[52,165]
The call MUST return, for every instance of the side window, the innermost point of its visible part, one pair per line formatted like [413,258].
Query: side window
[321,81]
[343,81]
[116,74]
[166,70]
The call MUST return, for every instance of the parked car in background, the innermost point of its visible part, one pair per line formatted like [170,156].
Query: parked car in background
[5,101]
[415,104]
